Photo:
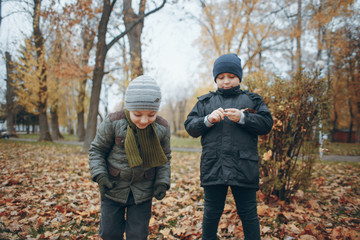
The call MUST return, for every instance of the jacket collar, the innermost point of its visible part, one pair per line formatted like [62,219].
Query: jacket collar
[229,92]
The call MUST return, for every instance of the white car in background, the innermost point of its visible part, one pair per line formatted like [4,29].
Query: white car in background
[4,134]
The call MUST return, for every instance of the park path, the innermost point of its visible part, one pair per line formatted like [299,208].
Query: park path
[175,149]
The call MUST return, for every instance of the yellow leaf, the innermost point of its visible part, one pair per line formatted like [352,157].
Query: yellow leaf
[165,232]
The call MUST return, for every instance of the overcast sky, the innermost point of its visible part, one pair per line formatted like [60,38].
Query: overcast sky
[169,51]
[12,31]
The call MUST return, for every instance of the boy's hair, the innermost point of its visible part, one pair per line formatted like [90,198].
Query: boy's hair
[143,94]
[228,63]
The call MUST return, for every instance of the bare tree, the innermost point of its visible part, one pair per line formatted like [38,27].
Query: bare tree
[134,35]
[42,105]
[298,33]
[101,50]
[88,37]
[241,27]
[0,14]
[57,52]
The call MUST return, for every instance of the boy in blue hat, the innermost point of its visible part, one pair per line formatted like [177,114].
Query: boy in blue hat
[229,121]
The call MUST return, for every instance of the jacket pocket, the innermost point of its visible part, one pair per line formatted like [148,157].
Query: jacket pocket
[248,154]
[149,174]
[120,141]
[247,167]
[209,166]
[114,172]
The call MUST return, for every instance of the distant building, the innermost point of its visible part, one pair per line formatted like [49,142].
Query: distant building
[342,135]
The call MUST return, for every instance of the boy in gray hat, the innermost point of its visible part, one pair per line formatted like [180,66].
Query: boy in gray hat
[129,159]
[229,121]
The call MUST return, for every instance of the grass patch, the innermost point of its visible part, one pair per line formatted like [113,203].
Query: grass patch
[43,144]
[67,137]
[175,141]
[185,142]
[343,149]
[28,136]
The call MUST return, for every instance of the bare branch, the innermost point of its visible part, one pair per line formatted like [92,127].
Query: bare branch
[141,18]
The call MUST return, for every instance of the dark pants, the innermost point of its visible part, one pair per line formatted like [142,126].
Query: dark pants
[113,223]
[246,206]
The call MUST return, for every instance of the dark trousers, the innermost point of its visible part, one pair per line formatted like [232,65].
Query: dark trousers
[246,206]
[113,223]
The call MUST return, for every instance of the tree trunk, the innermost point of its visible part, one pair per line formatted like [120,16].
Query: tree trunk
[88,38]
[320,33]
[0,14]
[334,126]
[10,95]
[351,120]
[43,124]
[101,50]
[350,85]
[70,129]
[127,74]
[353,87]
[134,36]
[172,108]
[358,129]
[81,125]
[336,116]
[182,106]
[81,110]
[260,60]
[56,135]
[298,38]
[42,105]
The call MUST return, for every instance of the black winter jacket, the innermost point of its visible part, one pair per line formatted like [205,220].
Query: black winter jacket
[229,154]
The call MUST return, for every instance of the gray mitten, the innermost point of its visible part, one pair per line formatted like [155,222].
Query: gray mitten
[160,191]
[104,184]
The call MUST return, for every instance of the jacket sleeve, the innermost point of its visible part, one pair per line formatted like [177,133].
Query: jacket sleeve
[100,148]
[261,122]
[194,123]
[163,173]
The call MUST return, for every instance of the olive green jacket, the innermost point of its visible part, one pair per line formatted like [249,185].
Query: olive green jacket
[107,155]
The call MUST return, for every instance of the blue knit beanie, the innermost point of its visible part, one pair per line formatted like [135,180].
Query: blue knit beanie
[228,63]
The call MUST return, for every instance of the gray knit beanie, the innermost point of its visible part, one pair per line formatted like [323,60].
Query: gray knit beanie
[143,94]
[228,63]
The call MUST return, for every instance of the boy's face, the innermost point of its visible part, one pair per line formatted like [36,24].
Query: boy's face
[142,119]
[227,80]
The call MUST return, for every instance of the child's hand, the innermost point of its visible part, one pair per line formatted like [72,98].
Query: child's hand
[160,191]
[104,184]
[216,116]
[233,114]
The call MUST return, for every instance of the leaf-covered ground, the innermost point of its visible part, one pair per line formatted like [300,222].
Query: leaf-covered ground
[46,193]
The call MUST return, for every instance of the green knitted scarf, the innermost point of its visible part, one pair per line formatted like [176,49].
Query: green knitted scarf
[150,153]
